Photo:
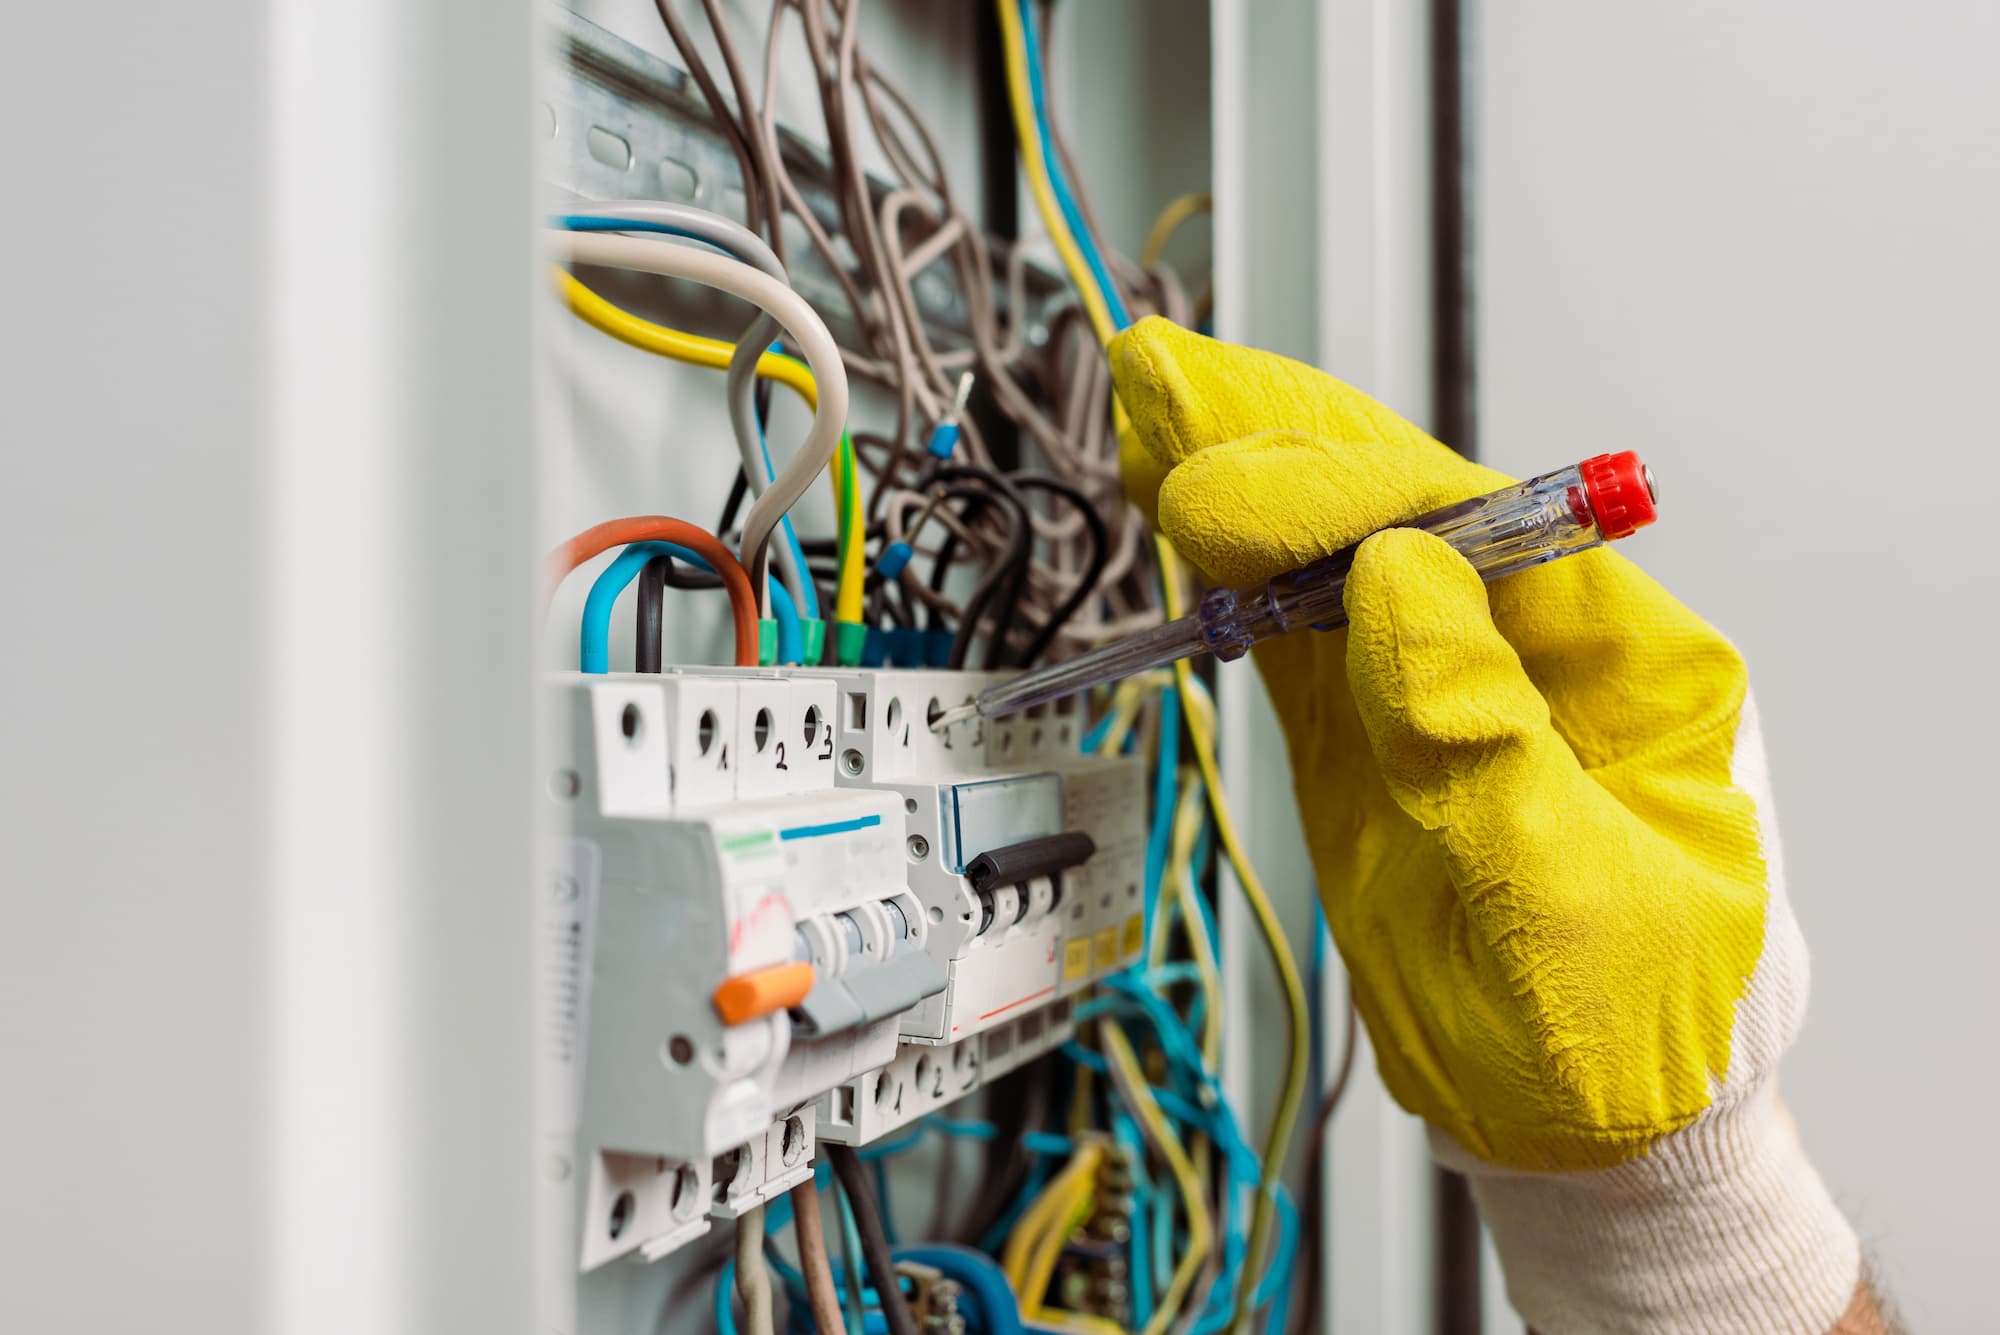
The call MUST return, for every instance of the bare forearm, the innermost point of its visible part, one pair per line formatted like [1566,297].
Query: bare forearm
[1863,1316]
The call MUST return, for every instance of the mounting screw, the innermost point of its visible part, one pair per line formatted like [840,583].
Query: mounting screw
[851,761]
[920,848]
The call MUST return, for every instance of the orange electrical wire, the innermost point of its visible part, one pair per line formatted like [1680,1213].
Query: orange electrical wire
[662,528]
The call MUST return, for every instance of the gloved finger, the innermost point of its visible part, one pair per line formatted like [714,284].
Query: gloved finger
[1249,509]
[1186,393]
[1462,736]
[1141,473]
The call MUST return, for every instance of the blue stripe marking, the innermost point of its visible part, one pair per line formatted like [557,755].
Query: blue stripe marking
[831,827]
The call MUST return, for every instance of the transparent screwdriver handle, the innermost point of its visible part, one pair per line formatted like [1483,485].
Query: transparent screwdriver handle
[1502,533]
[1546,517]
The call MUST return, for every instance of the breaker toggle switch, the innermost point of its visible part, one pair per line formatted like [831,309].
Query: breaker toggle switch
[1022,882]
[857,986]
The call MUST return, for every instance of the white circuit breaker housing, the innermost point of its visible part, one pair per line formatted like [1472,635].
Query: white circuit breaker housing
[789,909]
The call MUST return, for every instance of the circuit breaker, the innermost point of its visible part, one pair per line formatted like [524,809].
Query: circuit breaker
[790,909]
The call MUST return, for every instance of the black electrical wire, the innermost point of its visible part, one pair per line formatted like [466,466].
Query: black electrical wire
[874,1240]
[1000,590]
[1100,555]
[975,503]
[1018,1104]
[739,491]
[646,640]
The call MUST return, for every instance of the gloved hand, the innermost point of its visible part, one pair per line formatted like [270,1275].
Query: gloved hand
[1539,818]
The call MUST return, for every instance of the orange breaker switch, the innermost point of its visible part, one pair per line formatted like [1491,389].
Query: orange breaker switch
[750,996]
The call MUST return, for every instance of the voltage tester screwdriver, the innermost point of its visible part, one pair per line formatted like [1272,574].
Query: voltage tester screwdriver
[1571,510]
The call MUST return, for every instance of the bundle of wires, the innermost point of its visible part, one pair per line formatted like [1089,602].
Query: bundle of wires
[1062,217]
[942,557]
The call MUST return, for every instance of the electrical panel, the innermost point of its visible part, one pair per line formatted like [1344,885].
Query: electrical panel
[790,909]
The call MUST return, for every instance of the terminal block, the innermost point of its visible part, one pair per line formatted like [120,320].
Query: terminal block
[695,926]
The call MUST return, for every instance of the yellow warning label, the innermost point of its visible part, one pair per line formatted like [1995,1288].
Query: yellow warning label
[1135,934]
[1104,953]
[1076,958]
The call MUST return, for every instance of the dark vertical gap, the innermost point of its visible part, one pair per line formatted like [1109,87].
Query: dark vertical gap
[1001,180]
[1455,368]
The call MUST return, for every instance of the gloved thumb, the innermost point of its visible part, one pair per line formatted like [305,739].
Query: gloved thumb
[1461,734]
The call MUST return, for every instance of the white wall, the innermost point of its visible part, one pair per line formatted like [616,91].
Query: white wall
[265,366]
[1756,241]
[130,765]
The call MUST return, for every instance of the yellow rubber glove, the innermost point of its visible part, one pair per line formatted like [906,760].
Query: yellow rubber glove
[1533,809]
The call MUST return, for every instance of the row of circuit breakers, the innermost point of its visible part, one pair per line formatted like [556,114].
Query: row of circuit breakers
[787,909]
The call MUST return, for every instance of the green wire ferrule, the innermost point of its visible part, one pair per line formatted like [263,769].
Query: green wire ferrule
[812,633]
[767,642]
[850,638]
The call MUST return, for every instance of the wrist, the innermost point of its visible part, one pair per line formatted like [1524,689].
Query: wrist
[1721,1227]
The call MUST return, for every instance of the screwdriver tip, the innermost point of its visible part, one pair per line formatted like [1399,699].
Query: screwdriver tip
[956,714]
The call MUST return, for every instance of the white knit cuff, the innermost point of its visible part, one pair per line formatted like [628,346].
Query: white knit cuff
[1723,1228]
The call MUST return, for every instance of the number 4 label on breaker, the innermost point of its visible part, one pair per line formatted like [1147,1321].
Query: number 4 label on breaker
[570,943]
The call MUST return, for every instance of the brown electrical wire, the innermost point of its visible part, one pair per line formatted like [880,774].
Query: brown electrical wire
[809,1232]
[760,149]
[1312,1221]
[755,206]
[879,250]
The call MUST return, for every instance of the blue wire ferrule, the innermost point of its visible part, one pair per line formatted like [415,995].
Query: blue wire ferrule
[944,439]
[875,649]
[889,565]
[906,648]
[937,648]
[944,436]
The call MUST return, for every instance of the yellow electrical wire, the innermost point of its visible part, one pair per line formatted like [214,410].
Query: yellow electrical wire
[715,354]
[1079,1323]
[693,349]
[1043,1214]
[1127,699]
[1180,879]
[1170,220]
[1035,165]
[1201,728]
[1160,1132]
[848,590]
[1075,1207]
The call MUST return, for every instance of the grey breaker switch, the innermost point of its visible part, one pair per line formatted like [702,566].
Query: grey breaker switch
[873,992]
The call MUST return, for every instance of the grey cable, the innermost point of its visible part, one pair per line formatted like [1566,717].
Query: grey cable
[807,330]
[729,235]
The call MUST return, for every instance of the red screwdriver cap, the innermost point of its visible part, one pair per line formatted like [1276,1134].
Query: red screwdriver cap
[1620,488]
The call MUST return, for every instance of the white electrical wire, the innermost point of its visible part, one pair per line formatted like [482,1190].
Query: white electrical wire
[729,235]
[753,1282]
[799,320]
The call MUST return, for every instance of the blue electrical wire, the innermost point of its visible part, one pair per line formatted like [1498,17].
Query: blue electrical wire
[1275,1288]
[577,222]
[1139,1247]
[594,647]
[979,1278]
[1165,775]
[1059,183]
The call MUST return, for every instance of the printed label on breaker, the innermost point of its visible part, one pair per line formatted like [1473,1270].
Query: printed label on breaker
[1135,934]
[1104,953]
[570,943]
[1076,958]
